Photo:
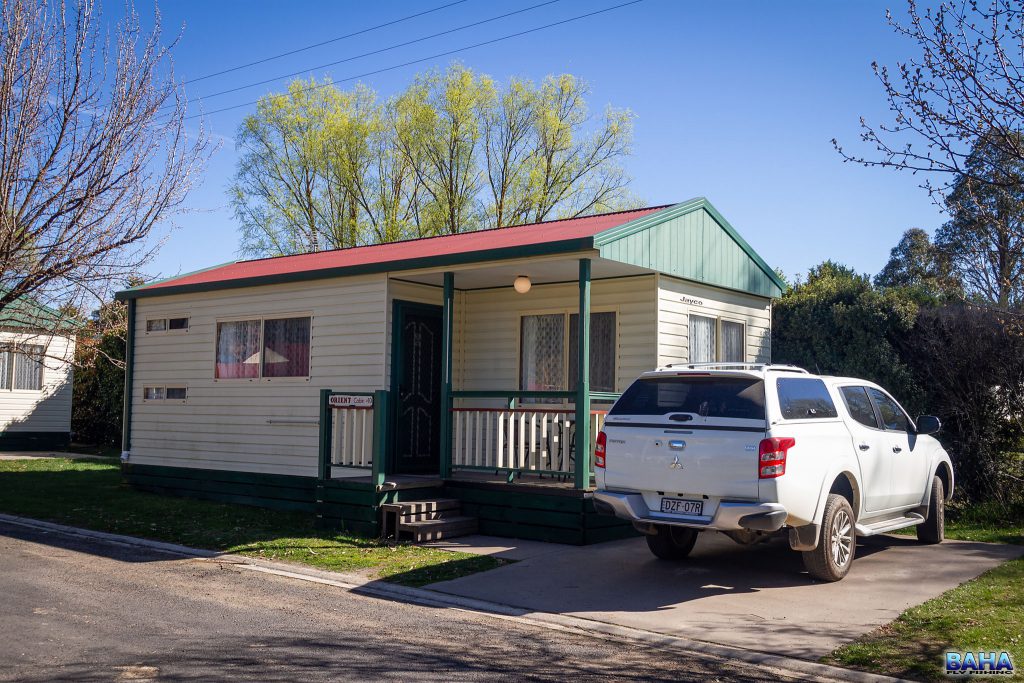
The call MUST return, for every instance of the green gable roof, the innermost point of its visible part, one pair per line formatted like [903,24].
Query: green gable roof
[692,241]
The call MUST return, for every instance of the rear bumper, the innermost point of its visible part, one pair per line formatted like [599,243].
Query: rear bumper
[730,516]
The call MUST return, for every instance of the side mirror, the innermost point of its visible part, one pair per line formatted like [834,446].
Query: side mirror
[928,424]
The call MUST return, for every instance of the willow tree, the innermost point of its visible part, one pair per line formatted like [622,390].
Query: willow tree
[94,153]
[455,151]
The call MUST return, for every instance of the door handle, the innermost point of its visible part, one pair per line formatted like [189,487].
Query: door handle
[897,449]
[864,447]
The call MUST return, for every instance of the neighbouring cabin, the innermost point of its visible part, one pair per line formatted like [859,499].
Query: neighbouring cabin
[37,349]
[457,380]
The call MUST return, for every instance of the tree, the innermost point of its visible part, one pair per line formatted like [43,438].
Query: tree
[321,168]
[916,263]
[984,238]
[94,153]
[965,85]
[97,406]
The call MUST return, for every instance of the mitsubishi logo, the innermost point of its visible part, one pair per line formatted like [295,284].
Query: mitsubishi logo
[675,464]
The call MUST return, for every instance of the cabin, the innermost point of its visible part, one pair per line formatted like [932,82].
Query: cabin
[37,350]
[432,386]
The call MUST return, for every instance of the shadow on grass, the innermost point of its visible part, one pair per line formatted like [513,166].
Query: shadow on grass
[91,495]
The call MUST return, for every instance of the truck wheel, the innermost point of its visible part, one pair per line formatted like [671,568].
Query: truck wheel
[831,560]
[672,542]
[933,529]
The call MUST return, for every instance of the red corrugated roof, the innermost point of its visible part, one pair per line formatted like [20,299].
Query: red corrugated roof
[380,254]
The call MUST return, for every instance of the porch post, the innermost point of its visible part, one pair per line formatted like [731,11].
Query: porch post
[326,429]
[583,387]
[446,375]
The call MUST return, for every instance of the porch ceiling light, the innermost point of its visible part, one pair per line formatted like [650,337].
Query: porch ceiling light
[522,284]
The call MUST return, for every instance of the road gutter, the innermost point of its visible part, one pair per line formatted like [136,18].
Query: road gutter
[376,588]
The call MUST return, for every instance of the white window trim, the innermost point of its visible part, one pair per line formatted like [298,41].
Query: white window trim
[13,349]
[167,321]
[719,319]
[165,387]
[566,312]
[261,379]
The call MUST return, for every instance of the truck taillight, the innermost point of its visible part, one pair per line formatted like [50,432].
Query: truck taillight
[771,456]
[602,440]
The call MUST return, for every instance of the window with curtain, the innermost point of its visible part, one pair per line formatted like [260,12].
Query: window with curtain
[703,339]
[733,349]
[602,351]
[6,358]
[286,347]
[238,350]
[28,368]
[542,352]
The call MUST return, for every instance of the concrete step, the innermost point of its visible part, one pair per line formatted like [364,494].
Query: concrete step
[437,529]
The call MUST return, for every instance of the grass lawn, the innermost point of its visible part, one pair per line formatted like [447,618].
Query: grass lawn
[986,613]
[89,494]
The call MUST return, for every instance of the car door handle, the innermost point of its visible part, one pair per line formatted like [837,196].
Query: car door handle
[897,449]
[864,447]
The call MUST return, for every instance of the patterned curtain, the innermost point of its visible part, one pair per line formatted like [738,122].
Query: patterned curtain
[286,347]
[238,350]
[702,339]
[5,369]
[28,368]
[732,342]
[602,351]
[541,352]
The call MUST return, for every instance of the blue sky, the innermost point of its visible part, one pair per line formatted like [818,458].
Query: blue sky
[735,101]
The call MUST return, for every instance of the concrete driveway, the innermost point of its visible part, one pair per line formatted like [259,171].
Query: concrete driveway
[755,597]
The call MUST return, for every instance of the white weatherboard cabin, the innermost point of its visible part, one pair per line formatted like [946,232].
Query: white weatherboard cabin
[443,378]
[37,347]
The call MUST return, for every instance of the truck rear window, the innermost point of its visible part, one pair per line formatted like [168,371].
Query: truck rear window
[736,397]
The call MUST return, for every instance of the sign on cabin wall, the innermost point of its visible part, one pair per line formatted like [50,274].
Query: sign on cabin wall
[350,401]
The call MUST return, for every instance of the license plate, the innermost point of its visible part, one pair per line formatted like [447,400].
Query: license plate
[678,506]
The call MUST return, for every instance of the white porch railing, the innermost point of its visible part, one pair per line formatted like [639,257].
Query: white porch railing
[352,436]
[534,440]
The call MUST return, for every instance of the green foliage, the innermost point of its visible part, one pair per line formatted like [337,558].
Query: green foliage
[323,168]
[918,264]
[98,396]
[836,322]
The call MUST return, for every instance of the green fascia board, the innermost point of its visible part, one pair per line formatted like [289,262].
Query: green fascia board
[126,293]
[649,221]
[524,251]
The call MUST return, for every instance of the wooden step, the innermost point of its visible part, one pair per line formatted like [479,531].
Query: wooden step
[415,507]
[437,529]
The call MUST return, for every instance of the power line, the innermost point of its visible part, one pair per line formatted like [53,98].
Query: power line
[379,51]
[436,56]
[322,43]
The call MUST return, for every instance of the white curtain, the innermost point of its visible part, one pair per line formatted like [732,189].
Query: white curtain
[602,351]
[703,343]
[5,369]
[541,352]
[732,342]
[28,368]
[238,350]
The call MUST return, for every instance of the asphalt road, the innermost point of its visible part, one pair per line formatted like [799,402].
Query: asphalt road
[84,610]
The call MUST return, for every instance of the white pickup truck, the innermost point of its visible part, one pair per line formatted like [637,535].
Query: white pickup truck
[754,450]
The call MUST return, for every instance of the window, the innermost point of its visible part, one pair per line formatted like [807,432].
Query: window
[166,394]
[857,402]
[735,397]
[602,351]
[275,347]
[893,416]
[166,325]
[716,340]
[21,368]
[548,348]
[703,342]
[801,398]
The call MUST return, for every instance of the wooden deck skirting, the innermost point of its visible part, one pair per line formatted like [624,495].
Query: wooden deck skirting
[548,511]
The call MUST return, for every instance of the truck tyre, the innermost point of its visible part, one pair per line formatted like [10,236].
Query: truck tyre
[831,560]
[672,542]
[933,529]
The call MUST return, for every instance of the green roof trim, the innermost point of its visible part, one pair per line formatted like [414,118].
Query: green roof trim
[125,293]
[693,241]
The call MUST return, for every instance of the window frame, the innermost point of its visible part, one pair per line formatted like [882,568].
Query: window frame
[164,399]
[810,420]
[15,350]
[911,425]
[874,409]
[566,312]
[719,341]
[167,324]
[262,319]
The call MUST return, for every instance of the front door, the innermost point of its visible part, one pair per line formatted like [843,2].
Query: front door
[416,381]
